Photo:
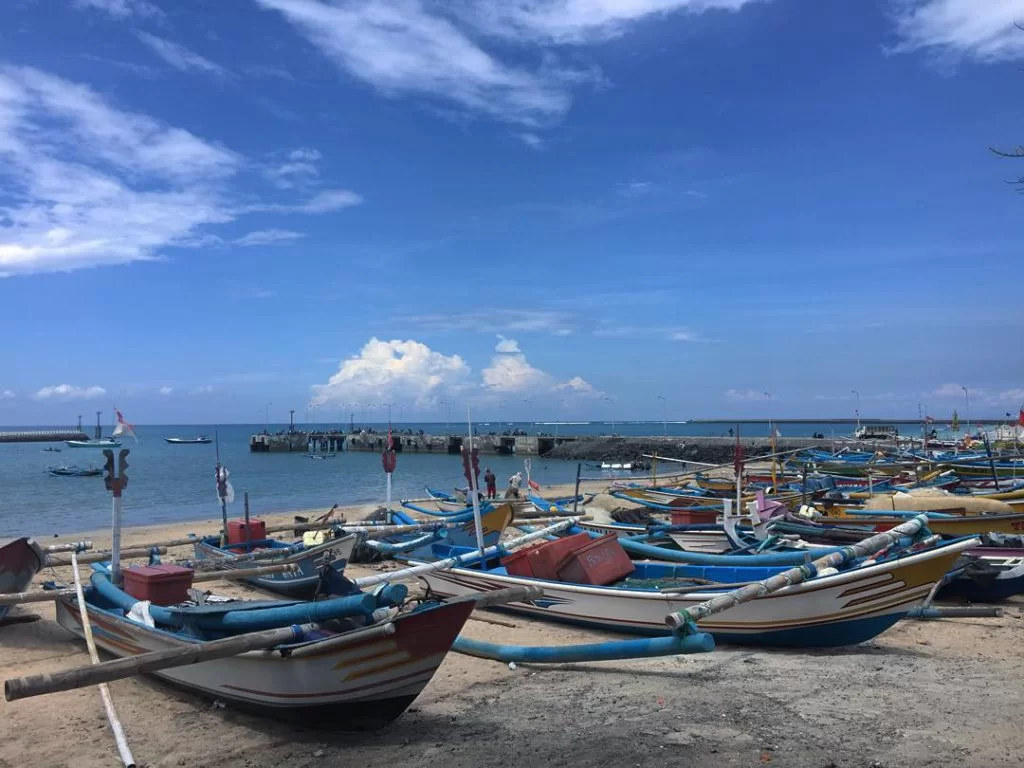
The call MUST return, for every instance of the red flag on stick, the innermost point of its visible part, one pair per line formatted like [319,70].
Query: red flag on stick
[387,456]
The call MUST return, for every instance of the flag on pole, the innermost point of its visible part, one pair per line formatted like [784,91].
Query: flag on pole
[388,458]
[928,420]
[1020,417]
[123,427]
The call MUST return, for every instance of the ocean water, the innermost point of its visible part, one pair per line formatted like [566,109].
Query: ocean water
[176,482]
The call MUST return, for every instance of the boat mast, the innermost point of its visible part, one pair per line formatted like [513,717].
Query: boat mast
[98,430]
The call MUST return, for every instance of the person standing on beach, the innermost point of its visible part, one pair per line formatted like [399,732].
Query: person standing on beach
[492,483]
[514,484]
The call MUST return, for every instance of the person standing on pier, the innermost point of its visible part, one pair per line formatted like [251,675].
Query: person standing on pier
[492,483]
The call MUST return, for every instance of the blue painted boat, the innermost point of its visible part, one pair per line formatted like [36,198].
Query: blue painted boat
[310,561]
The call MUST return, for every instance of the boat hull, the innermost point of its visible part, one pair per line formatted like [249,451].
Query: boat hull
[844,609]
[20,560]
[357,687]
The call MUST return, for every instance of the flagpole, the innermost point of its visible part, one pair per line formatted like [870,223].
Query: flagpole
[468,462]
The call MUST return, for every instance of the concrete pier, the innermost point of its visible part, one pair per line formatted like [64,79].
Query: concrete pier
[588,447]
[42,436]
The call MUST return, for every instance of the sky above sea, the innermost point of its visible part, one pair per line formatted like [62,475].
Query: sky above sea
[540,210]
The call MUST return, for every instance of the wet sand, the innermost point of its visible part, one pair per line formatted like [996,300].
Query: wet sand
[924,693]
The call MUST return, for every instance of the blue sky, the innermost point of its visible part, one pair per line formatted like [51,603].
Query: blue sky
[544,209]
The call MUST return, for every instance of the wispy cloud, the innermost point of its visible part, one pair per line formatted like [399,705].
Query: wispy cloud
[950,390]
[109,186]
[121,9]
[181,58]
[7,394]
[166,390]
[268,237]
[298,169]
[267,70]
[980,29]
[532,140]
[409,47]
[69,392]
[577,385]
[328,201]
[497,321]
[141,70]
[610,330]
[747,396]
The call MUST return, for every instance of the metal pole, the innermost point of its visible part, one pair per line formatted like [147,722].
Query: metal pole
[854,391]
[967,400]
[477,522]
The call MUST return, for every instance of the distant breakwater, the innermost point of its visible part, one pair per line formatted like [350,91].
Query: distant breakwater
[711,450]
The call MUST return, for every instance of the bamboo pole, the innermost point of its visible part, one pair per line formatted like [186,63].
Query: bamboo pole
[108,704]
[75,546]
[798,574]
[98,557]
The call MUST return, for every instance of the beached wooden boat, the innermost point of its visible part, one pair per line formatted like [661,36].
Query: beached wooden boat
[309,562]
[839,609]
[943,524]
[345,669]
[20,560]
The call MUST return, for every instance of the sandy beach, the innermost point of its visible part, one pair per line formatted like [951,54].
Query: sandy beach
[924,693]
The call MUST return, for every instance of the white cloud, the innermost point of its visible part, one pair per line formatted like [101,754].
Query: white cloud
[204,389]
[401,46]
[268,237]
[579,386]
[512,373]
[69,392]
[747,396]
[181,58]
[6,394]
[394,370]
[980,29]
[121,9]
[648,331]
[637,188]
[166,390]
[300,169]
[506,346]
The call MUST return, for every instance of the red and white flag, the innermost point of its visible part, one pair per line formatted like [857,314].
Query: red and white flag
[1020,417]
[123,427]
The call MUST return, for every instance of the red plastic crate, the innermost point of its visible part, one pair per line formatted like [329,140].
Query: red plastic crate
[160,584]
[239,532]
[518,564]
[601,562]
[687,517]
[544,559]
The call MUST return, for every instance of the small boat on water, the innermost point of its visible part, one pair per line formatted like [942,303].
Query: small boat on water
[74,471]
[197,440]
[103,442]
[51,450]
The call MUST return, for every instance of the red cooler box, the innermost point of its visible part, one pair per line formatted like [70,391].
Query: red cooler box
[601,562]
[518,564]
[240,532]
[686,517]
[544,559]
[160,584]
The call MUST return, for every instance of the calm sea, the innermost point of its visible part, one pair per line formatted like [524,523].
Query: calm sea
[176,482]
